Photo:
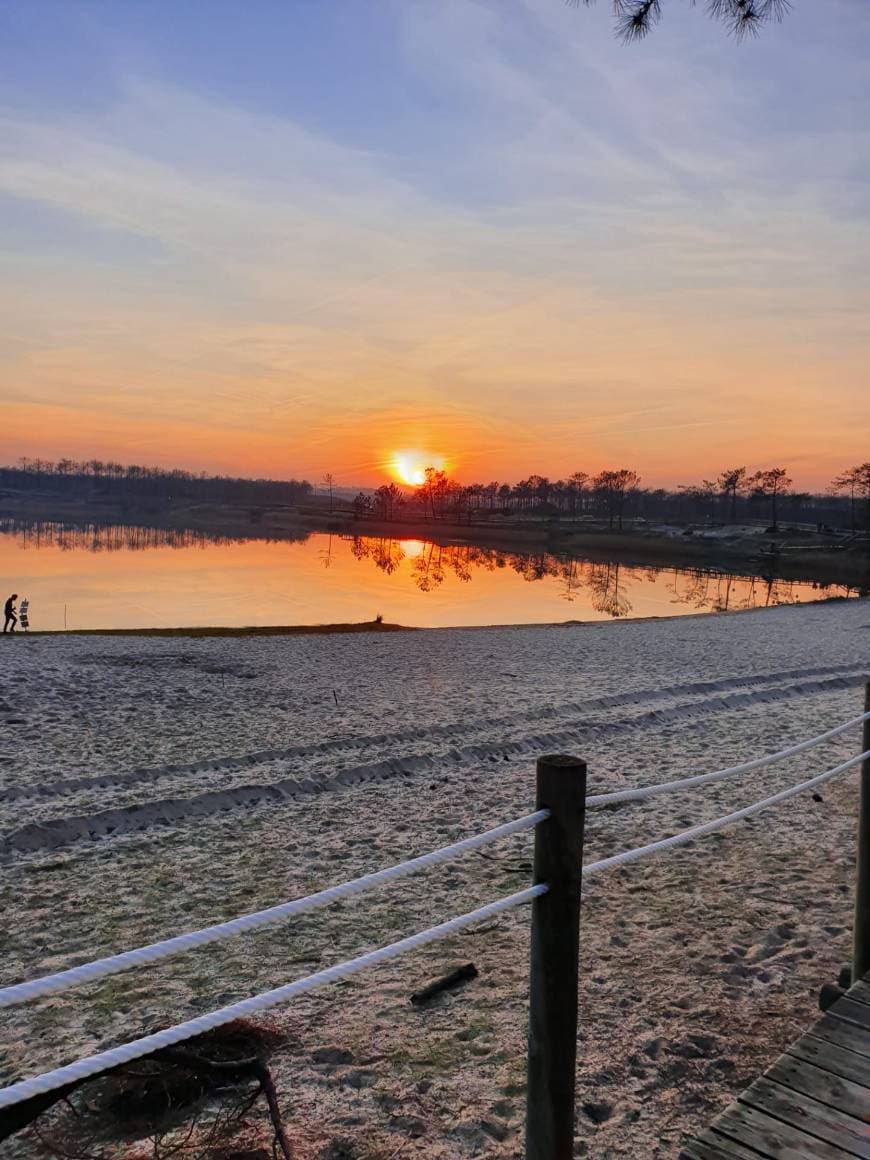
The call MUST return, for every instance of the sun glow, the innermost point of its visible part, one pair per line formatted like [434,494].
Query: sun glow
[409,467]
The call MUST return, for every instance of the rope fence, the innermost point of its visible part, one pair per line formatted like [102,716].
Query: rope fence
[125,1052]
[720,823]
[100,968]
[142,956]
[558,823]
[648,791]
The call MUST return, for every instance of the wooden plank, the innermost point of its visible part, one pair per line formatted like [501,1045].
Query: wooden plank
[810,1116]
[813,1103]
[841,1034]
[836,1060]
[711,1147]
[772,1137]
[860,992]
[853,1011]
[802,1076]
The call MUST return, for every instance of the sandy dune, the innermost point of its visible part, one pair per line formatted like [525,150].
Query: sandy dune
[151,786]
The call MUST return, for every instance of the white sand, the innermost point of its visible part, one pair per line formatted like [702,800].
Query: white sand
[133,755]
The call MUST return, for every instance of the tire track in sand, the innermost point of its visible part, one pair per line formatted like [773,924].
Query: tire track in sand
[343,745]
[136,818]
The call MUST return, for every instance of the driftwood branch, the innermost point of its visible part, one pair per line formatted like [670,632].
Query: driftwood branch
[447,983]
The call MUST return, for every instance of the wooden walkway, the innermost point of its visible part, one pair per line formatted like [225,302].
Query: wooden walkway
[813,1103]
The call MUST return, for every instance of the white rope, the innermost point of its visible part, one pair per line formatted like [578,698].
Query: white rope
[124,1053]
[630,795]
[92,1065]
[88,972]
[711,827]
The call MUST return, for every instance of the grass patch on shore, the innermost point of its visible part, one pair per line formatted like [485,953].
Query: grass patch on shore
[251,630]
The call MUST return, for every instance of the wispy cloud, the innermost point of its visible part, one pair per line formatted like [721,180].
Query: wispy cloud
[602,225]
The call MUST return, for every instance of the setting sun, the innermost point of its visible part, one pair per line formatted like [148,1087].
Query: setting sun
[409,467]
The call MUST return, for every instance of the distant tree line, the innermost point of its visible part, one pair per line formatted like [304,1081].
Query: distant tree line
[614,495]
[610,496]
[132,481]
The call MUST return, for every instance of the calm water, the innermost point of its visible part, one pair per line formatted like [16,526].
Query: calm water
[118,577]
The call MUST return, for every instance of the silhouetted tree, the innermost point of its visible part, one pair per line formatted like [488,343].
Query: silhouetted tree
[635,18]
[93,477]
[704,495]
[732,482]
[329,483]
[613,487]
[439,497]
[855,481]
[772,483]
[577,484]
[435,489]
[362,505]
[387,498]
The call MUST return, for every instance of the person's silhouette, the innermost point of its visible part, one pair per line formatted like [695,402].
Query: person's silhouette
[9,613]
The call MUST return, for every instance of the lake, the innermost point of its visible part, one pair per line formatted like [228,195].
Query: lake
[132,577]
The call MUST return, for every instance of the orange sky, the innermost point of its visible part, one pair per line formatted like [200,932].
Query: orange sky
[755,408]
[227,262]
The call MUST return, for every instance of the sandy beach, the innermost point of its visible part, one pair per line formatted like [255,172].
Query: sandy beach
[150,786]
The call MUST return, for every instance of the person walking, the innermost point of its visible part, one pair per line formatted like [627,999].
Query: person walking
[9,613]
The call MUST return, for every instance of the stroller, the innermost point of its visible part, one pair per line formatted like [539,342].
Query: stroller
[23,614]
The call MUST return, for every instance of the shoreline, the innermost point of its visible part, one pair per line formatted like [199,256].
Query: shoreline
[375,627]
[348,628]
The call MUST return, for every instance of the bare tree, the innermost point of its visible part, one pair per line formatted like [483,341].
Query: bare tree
[709,491]
[362,505]
[635,18]
[773,483]
[329,482]
[613,487]
[577,485]
[855,481]
[704,495]
[435,489]
[731,482]
[387,498]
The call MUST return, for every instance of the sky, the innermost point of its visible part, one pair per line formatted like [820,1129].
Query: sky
[293,237]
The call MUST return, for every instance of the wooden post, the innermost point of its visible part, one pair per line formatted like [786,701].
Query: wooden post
[861,931]
[554,960]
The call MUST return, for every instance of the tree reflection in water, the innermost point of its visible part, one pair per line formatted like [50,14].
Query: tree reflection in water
[93,537]
[604,585]
[431,566]
[723,591]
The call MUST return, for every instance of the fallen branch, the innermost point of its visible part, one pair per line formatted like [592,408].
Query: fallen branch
[211,1073]
[447,983]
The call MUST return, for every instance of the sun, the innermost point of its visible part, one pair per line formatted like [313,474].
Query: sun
[409,469]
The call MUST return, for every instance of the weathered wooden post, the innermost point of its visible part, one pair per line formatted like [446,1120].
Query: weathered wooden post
[553,980]
[861,930]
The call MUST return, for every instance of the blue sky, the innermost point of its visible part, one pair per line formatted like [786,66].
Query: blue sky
[302,236]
